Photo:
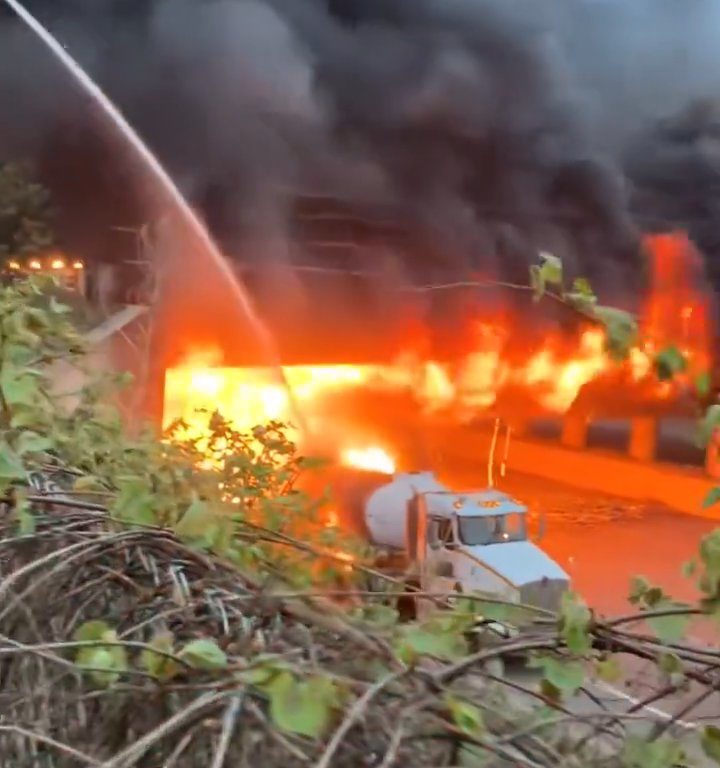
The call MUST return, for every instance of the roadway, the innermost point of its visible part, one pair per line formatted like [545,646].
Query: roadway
[603,542]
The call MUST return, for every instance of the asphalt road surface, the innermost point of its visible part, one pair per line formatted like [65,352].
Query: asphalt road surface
[602,542]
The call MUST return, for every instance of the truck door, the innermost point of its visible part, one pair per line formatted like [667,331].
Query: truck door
[441,542]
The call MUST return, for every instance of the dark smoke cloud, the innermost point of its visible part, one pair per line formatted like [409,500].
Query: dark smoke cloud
[490,129]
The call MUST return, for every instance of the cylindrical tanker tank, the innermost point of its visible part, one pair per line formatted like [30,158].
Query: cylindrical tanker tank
[386,509]
[376,505]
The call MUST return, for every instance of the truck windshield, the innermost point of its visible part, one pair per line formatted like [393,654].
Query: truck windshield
[492,529]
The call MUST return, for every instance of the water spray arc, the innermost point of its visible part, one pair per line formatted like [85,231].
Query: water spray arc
[168,186]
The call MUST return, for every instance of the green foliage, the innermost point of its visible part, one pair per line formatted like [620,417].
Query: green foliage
[160,665]
[441,637]
[575,621]
[608,670]
[708,424]
[466,716]
[711,742]
[621,330]
[703,384]
[208,489]
[581,297]
[709,581]
[23,513]
[669,363]
[105,660]
[204,654]
[548,273]
[668,628]
[561,677]
[712,498]
[25,212]
[233,494]
[304,706]
[642,753]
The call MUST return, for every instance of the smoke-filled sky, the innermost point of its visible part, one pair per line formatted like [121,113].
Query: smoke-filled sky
[491,128]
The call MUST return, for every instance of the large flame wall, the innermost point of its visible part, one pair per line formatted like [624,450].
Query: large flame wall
[489,374]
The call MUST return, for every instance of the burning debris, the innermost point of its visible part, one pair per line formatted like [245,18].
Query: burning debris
[348,405]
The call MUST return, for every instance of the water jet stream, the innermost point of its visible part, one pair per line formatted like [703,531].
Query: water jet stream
[170,188]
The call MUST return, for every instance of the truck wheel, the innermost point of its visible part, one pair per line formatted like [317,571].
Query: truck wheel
[407,604]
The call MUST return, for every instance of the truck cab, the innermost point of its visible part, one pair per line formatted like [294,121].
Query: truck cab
[478,542]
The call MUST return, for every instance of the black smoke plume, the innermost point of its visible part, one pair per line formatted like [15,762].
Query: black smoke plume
[486,129]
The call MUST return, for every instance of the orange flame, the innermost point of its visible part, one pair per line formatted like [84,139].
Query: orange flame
[550,377]
[374,459]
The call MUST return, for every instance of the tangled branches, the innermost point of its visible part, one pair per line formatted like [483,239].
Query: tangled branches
[161,604]
[291,678]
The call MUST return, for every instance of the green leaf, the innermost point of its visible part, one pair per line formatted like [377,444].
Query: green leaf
[703,384]
[11,467]
[261,675]
[87,483]
[710,741]
[466,716]
[58,308]
[670,664]
[712,498]
[105,663]
[669,629]
[431,639]
[204,654]
[135,503]
[709,423]
[382,616]
[609,670]
[302,707]
[575,620]
[551,269]
[19,386]
[710,559]
[23,513]
[563,675]
[160,666]
[669,362]
[638,752]
[31,442]
[621,330]
[582,286]
[639,587]
[194,523]
[91,631]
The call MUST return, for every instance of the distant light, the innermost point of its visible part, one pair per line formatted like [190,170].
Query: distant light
[78,265]
[57,264]
[35,264]
[13,265]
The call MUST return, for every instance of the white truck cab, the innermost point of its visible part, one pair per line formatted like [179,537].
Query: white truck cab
[478,542]
[475,542]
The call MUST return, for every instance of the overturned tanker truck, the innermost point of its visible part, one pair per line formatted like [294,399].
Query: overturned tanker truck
[442,541]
